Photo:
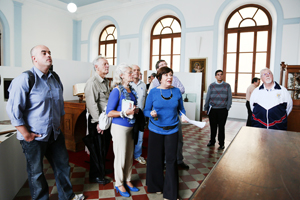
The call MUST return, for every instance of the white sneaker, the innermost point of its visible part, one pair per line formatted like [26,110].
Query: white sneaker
[141,160]
[78,197]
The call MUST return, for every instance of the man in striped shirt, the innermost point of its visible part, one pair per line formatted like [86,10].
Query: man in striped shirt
[217,104]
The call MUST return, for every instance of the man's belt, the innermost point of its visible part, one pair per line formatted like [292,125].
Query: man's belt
[165,127]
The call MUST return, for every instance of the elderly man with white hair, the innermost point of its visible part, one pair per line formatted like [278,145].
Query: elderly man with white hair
[270,103]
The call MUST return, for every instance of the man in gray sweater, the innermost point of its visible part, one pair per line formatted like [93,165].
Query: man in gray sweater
[217,104]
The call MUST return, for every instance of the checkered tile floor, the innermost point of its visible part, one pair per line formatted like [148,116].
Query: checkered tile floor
[197,155]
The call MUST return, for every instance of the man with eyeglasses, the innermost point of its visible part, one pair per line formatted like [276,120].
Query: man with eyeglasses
[270,103]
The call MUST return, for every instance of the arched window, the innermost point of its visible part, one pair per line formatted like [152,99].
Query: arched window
[108,44]
[247,46]
[165,42]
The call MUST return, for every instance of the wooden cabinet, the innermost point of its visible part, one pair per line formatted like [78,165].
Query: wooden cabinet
[74,124]
[290,79]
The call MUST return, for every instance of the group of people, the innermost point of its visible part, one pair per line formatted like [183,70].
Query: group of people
[36,107]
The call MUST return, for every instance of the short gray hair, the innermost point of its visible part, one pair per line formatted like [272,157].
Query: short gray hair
[96,60]
[264,70]
[121,69]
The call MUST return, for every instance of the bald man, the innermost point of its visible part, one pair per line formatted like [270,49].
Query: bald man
[270,103]
[36,111]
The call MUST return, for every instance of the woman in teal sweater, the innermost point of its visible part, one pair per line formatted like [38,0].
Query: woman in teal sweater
[163,105]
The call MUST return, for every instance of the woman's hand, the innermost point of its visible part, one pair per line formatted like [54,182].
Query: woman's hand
[153,113]
[136,110]
[183,119]
[130,111]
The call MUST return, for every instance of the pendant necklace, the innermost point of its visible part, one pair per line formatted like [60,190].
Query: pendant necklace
[166,98]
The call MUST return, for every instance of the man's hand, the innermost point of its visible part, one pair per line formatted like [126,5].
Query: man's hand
[99,130]
[30,136]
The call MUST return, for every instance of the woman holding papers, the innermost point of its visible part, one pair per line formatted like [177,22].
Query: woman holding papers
[163,105]
[121,128]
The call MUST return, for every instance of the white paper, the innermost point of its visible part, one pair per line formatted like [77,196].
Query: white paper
[199,124]
[127,104]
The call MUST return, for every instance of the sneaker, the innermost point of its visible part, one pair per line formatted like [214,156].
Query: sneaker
[78,197]
[221,147]
[141,160]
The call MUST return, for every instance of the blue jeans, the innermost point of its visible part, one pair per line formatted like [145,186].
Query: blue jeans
[57,155]
[138,147]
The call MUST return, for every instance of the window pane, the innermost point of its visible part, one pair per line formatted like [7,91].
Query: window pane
[246,42]
[261,18]
[234,21]
[231,42]
[261,61]
[262,41]
[245,62]
[231,62]
[248,12]
[157,29]
[110,61]
[103,36]
[115,63]
[176,63]
[166,46]
[244,80]
[115,34]
[154,60]
[166,31]
[110,37]
[116,50]
[155,47]
[176,27]
[257,76]
[167,21]
[109,50]
[102,50]
[110,29]
[230,79]
[167,59]
[176,45]
[247,22]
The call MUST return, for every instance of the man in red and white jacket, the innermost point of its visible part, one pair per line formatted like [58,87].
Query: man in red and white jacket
[270,103]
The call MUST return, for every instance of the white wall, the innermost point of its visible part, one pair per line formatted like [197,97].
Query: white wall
[202,30]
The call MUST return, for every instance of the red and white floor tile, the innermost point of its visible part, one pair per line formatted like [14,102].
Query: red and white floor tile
[197,155]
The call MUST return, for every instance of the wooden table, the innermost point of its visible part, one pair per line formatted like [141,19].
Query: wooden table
[74,124]
[258,164]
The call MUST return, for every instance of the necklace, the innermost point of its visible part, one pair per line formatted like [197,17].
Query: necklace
[166,98]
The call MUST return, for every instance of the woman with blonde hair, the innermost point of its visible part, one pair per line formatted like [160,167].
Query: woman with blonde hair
[121,128]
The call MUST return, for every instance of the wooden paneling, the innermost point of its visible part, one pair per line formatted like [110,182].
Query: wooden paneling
[74,125]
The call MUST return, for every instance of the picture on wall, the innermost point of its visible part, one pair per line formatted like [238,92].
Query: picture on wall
[197,65]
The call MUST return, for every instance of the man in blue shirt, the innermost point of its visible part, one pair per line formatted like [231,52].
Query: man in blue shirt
[36,112]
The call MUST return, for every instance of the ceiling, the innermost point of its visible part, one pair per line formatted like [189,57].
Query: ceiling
[80,3]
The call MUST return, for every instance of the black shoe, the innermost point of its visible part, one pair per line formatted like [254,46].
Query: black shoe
[99,180]
[221,147]
[184,166]
[210,144]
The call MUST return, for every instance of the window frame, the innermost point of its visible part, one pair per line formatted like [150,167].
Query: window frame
[114,42]
[240,30]
[164,36]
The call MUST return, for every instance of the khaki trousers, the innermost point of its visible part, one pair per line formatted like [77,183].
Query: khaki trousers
[123,146]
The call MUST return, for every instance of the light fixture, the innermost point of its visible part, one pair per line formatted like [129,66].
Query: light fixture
[72,7]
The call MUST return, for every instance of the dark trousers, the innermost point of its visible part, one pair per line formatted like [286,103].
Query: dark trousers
[159,148]
[56,153]
[217,119]
[101,146]
[249,113]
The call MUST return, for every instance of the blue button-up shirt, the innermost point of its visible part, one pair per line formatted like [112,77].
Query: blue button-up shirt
[40,110]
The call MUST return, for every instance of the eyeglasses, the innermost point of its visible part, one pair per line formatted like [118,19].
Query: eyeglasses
[265,74]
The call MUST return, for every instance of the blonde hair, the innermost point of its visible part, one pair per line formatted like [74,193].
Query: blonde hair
[121,69]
